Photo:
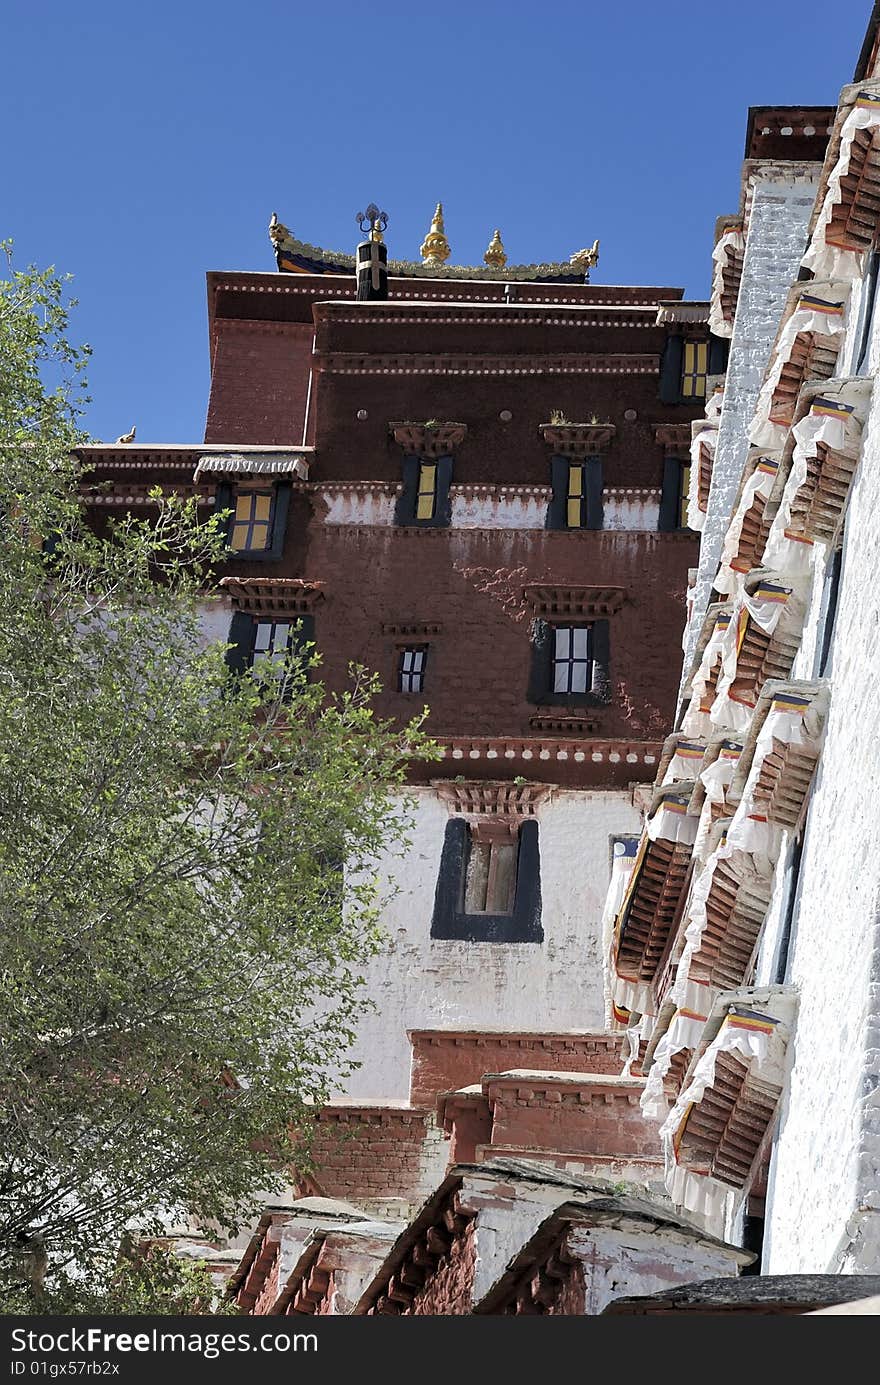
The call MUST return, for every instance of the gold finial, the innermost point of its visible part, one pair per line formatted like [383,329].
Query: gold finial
[584,259]
[495,256]
[434,249]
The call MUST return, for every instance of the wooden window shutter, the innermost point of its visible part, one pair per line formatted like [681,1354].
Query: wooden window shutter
[670,499]
[242,633]
[223,501]
[670,370]
[559,483]
[279,523]
[540,670]
[593,481]
[719,348]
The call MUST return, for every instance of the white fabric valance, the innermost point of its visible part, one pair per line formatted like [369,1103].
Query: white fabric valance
[729,243]
[826,259]
[829,422]
[759,483]
[824,315]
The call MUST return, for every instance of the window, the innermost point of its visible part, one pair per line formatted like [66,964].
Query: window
[694,369]
[490,876]
[411,669]
[251,528]
[685,364]
[258,523]
[866,316]
[254,637]
[684,486]
[674,495]
[572,659]
[426,500]
[272,640]
[570,664]
[576,514]
[576,501]
[489,884]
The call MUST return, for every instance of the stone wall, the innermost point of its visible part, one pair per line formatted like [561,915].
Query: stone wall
[782,198]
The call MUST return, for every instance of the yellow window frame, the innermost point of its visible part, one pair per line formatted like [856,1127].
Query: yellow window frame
[251,529]
[695,368]
[575,498]
[426,499]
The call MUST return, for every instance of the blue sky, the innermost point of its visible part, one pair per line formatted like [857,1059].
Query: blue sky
[145,144]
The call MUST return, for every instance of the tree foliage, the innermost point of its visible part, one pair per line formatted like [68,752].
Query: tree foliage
[178,975]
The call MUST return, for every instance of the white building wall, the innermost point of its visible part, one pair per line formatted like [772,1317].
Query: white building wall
[782,199]
[420,982]
[824,1196]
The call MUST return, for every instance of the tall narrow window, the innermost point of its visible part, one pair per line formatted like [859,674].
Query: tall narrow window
[572,659]
[694,369]
[251,529]
[576,507]
[684,485]
[866,315]
[411,669]
[426,500]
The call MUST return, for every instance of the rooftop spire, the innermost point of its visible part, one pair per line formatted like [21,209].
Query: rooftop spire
[495,256]
[434,249]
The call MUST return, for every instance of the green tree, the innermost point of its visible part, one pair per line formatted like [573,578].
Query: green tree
[178,975]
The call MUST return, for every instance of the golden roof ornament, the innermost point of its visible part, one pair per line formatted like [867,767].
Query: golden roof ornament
[495,256]
[583,260]
[434,249]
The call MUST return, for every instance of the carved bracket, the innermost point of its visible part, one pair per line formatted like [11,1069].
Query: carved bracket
[428,440]
[577,439]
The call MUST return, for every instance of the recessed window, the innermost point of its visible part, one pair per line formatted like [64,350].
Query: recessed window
[251,529]
[694,369]
[572,659]
[490,876]
[426,499]
[411,669]
[489,885]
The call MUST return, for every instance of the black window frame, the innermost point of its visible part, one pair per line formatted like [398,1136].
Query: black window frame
[404,673]
[670,386]
[541,691]
[592,509]
[241,654]
[673,496]
[450,922]
[406,509]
